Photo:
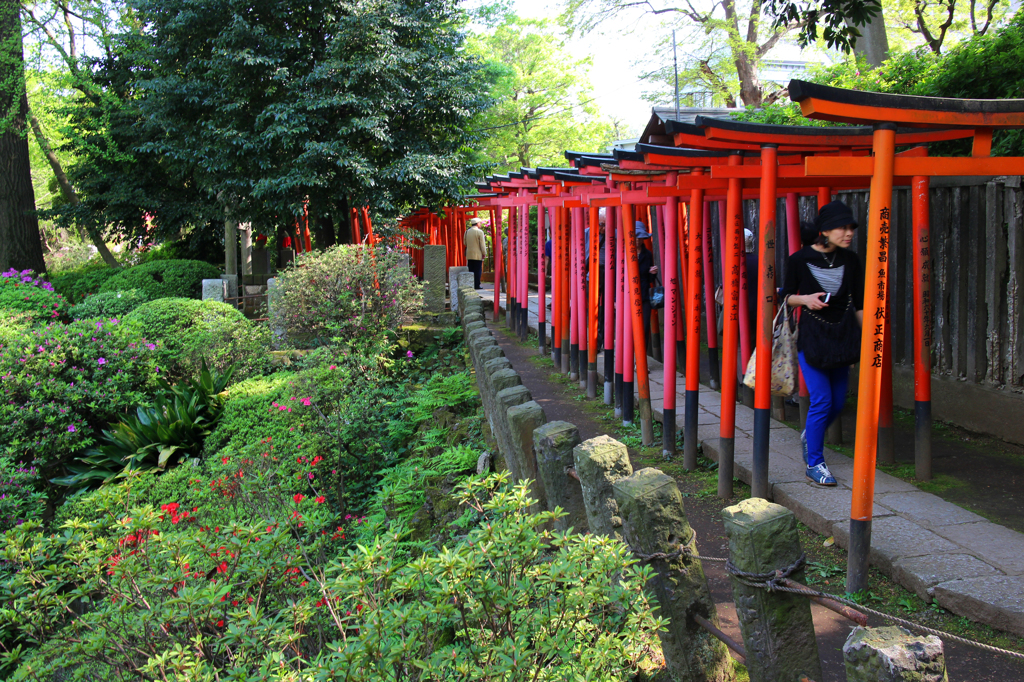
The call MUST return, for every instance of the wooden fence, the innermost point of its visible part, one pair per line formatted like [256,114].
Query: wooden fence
[977,238]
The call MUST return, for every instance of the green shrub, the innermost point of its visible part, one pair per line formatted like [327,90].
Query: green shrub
[173,428]
[60,385]
[343,295]
[164,278]
[275,599]
[23,292]
[20,498]
[110,304]
[188,331]
[76,285]
[73,256]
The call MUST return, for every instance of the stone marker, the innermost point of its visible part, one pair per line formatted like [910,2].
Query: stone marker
[778,632]
[554,443]
[483,463]
[472,317]
[231,282]
[433,277]
[599,463]
[892,654]
[472,326]
[463,281]
[213,290]
[522,421]
[653,521]
[494,364]
[273,301]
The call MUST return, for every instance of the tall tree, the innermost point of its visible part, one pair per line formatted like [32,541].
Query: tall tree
[933,22]
[265,103]
[20,243]
[543,101]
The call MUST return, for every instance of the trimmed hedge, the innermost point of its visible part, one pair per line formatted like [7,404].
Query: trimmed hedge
[109,304]
[186,331]
[164,278]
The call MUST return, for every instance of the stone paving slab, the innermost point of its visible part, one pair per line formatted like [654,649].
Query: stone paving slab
[1001,547]
[997,600]
[924,509]
[928,545]
[922,573]
[816,507]
[894,537]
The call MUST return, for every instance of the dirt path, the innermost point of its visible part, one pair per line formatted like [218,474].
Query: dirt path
[563,400]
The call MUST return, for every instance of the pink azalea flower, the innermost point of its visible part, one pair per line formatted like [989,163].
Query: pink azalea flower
[101,361]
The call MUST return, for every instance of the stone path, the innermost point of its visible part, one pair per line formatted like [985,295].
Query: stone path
[940,551]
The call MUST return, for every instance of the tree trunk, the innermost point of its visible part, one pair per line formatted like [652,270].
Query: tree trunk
[20,244]
[750,85]
[344,223]
[873,44]
[324,230]
[68,191]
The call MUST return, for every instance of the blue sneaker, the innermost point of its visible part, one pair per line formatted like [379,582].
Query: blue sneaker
[803,445]
[821,475]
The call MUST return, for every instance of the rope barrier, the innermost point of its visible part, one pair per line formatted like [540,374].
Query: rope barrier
[773,583]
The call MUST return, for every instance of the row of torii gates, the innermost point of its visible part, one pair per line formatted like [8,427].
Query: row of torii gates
[729,161]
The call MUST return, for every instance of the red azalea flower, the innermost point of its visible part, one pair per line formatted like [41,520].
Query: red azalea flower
[299,498]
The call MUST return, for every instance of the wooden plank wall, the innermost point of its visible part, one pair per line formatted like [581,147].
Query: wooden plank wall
[977,242]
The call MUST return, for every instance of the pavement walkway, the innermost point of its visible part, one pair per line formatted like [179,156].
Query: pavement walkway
[969,565]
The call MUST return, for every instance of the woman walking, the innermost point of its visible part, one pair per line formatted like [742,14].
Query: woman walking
[826,279]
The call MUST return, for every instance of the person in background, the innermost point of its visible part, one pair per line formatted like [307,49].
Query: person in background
[826,278]
[648,272]
[476,250]
[750,283]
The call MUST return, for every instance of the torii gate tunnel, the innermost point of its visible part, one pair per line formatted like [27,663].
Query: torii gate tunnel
[670,189]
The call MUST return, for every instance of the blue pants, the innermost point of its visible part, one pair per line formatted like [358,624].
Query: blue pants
[827,389]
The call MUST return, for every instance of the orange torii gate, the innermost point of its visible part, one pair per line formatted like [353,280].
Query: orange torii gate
[884,113]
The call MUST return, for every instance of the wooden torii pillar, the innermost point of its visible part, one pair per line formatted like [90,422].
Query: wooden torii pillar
[884,113]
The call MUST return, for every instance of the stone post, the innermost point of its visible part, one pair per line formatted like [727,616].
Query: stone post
[213,290]
[231,282]
[463,281]
[453,285]
[503,400]
[273,299]
[554,443]
[893,654]
[433,278]
[653,521]
[522,421]
[778,632]
[599,463]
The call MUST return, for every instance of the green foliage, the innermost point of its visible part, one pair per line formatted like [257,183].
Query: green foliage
[20,499]
[109,304]
[42,305]
[73,256]
[368,99]
[346,294]
[164,278]
[189,332]
[63,384]
[543,102]
[173,428]
[989,66]
[134,589]
[76,285]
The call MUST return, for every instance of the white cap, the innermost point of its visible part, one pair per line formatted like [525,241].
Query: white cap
[600,216]
[748,240]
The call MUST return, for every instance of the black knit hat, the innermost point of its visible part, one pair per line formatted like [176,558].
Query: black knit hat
[833,215]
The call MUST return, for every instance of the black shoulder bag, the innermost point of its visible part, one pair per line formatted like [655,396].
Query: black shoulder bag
[827,345]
